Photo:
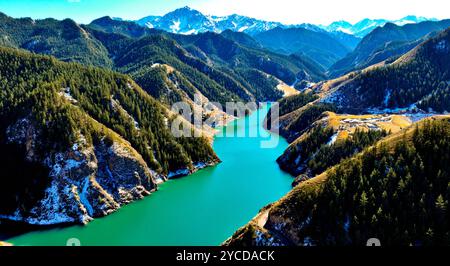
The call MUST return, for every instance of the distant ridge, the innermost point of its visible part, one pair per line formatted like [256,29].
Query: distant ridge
[186,20]
[365,26]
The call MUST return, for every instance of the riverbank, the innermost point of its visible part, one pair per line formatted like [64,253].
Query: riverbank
[203,209]
[4,244]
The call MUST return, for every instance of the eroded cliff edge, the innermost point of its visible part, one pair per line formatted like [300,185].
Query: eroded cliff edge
[79,142]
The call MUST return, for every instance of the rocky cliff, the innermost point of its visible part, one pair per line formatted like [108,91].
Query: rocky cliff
[86,181]
[79,142]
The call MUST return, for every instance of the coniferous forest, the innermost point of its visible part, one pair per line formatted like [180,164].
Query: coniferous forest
[398,192]
[86,116]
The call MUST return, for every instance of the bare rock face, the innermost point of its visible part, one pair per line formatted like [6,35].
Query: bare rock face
[24,133]
[87,181]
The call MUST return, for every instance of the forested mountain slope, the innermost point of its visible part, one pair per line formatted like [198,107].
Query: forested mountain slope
[352,198]
[234,58]
[78,142]
[385,42]
[235,54]
[231,63]
[396,191]
[217,68]
[319,46]
[65,39]
[319,138]
[335,137]
[109,43]
[418,80]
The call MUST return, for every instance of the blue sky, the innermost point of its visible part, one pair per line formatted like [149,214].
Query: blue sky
[85,11]
[286,11]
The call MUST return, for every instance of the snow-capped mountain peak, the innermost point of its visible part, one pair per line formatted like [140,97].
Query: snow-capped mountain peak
[187,21]
[365,26]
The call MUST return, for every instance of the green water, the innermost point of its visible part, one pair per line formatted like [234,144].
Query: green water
[202,209]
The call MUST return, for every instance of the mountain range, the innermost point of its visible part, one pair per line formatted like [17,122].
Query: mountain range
[189,21]
[108,88]
[328,46]
[323,48]
[85,119]
[361,169]
[386,42]
[365,26]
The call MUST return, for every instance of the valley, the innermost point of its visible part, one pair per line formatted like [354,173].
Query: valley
[202,209]
[90,120]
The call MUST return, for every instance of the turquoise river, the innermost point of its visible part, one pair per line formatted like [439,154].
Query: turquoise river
[202,209]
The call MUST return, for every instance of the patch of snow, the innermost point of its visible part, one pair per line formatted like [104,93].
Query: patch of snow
[300,168]
[297,160]
[17,217]
[83,197]
[344,30]
[332,139]
[279,227]
[190,32]
[398,110]
[179,173]
[262,240]
[71,164]
[50,210]
[18,132]
[387,97]
[308,242]
[118,107]
[305,223]
[419,116]
[242,29]
[295,82]
[61,165]
[200,165]
[441,46]
[32,44]
[336,97]
[66,94]
[129,86]
[176,26]
[75,147]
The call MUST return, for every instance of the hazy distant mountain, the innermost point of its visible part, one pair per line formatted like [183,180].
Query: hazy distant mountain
[365,26]
[319,46]
[385,42]
[349,40]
